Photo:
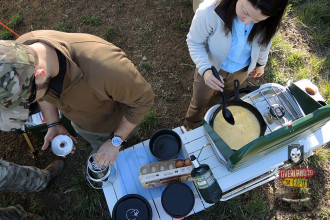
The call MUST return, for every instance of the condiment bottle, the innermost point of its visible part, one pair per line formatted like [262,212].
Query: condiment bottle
[206,183]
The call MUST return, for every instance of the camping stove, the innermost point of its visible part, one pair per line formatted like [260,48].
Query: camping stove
[275,103]
[279,108]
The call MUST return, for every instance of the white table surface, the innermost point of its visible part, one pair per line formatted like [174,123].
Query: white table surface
[130,160]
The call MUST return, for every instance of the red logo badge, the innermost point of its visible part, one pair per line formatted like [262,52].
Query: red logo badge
[296,173]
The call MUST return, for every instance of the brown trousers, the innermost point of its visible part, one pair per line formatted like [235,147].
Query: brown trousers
[204,97]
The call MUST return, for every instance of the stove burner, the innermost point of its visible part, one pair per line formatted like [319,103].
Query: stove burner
[277,111]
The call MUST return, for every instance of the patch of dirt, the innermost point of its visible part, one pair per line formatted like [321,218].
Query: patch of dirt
[153,31]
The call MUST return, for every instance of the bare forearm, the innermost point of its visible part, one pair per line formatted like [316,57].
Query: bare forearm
[124,128]
[49,111]
[108,153]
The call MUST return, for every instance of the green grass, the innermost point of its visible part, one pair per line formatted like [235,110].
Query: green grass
[186,3]
[322,156]
[52,216]
[4,202]
[169,96]
[325,89]
[180,24]
[85,199]
[317,15]
[35,207]
[3,10]
[13,23]
[167,4]
[145,65]
[288,61]
[120,5]
[272,72]
[230,209]
[148,124]
[91,20]
[149,121]
[110,33]
[256,207]
[84,146]
[63,26]
[295,60]
[6,35]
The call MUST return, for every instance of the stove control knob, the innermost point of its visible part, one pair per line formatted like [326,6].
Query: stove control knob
[277,111]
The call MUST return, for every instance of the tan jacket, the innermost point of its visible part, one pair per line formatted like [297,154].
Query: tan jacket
[100,85]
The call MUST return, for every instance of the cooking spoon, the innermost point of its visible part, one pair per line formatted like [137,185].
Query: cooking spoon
[228,116]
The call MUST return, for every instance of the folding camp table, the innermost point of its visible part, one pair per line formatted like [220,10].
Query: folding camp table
[195,142]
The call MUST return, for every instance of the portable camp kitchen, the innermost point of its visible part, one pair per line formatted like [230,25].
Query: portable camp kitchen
[294,119]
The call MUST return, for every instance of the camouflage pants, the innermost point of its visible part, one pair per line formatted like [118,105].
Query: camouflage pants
[14,213]
[16,178]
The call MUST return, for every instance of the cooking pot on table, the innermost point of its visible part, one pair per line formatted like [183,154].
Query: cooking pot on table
[238,102]
[165,144]
[97,175]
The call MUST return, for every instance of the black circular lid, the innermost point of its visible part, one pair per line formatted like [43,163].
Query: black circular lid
[132,207]
[165,144]
[178,200]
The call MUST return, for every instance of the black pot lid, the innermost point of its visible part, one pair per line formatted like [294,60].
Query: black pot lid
[178,200]
[132,207]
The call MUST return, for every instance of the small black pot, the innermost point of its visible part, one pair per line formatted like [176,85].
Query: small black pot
[178,200]
[165,144]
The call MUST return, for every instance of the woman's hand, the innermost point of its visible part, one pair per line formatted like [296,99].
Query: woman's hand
[257,72]
[213,82]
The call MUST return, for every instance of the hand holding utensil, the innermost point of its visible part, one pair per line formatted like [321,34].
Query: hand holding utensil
[228,116]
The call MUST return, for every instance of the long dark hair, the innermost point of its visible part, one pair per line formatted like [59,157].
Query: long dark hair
[266,28]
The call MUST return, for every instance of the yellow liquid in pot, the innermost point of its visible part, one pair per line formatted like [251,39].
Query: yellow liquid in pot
[245,129]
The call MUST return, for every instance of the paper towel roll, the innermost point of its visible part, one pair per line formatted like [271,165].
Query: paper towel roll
[62,145]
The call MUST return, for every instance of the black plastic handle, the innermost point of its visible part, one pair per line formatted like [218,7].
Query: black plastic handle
[236,90]
[216,74]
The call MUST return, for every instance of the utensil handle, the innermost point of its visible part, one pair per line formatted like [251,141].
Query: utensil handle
[236,90]
[216,74]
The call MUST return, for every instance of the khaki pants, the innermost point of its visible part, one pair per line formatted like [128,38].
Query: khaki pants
[97,139]
[204,97]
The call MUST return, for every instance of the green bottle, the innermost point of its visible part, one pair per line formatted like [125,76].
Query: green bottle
[206,183]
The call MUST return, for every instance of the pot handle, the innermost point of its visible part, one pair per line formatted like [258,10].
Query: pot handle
[236,90]
[90,183]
